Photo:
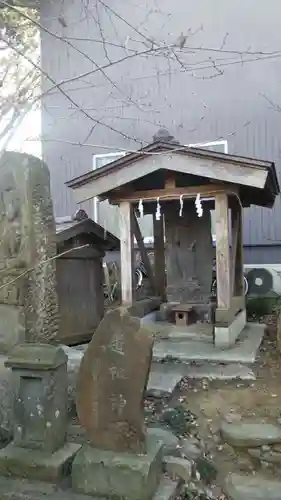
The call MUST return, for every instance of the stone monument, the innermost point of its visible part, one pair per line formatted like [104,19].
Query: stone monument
[121,461]
[28,300]
[39,449]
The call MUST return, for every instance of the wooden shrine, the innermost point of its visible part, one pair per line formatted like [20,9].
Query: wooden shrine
[81,246]
[167,178]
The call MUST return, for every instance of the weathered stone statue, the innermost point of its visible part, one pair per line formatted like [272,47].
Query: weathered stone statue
[28,300]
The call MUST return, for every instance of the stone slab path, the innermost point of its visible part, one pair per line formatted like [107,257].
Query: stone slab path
[239,487]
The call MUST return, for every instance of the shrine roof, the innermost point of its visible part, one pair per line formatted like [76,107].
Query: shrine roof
[256,178]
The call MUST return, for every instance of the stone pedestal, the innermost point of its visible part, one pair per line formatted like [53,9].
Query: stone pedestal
[37,465]
[113,475]
[39,449]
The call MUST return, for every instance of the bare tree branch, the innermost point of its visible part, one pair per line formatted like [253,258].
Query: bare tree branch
[64,93]
[165,60]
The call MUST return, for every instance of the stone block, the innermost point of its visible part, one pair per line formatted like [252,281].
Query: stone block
[250,434]
[178,468]
[40,396]
[239,487]
[28,243]
[37,465]
[124,476]
[270,456]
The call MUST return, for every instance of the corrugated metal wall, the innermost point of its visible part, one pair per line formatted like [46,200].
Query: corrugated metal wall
[228,99]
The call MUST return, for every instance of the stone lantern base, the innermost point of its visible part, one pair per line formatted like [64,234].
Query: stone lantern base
[36,464]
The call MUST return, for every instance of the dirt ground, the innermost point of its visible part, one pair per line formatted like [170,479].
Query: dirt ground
[211,401]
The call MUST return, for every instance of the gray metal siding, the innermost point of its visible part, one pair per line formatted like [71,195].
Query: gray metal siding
[194,105]
[267,254]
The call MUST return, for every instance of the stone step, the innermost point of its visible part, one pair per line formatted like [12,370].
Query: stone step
[244,351]
[240,487]
[165,377]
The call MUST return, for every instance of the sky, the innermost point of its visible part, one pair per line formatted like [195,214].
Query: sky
[27,136]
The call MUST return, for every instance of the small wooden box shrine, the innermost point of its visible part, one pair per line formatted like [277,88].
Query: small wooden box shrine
[81,246]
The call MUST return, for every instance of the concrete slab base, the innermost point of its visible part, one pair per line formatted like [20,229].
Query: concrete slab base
[226,336]
[37,465]
[123,476]
[244,351]
[23,489]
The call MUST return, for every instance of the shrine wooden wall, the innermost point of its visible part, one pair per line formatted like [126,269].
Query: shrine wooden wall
[189,253]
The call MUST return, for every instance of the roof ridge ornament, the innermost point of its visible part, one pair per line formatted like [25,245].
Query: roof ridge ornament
[164,135]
